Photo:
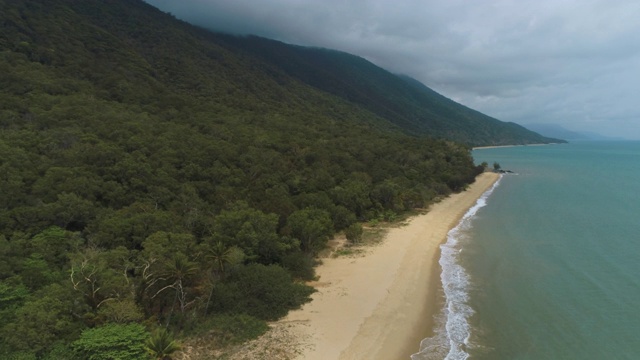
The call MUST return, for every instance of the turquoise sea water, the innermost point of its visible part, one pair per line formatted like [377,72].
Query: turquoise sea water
[547,266]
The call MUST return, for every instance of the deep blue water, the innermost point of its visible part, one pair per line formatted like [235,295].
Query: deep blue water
[549,268]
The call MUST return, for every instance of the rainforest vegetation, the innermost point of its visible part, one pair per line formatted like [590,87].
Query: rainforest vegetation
[154,175]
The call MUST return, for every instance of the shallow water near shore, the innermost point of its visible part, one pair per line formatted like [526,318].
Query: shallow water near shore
[549,268]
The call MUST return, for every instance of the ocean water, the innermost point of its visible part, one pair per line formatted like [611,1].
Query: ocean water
[547,264]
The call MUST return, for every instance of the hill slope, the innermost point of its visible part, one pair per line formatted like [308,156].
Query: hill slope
[401,100]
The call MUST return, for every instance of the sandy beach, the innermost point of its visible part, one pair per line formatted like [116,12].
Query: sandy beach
[379,306]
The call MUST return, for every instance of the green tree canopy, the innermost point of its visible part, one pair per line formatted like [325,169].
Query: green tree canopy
[112,341]
[312,227]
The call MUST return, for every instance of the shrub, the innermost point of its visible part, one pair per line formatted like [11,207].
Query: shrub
[265,292]
[238,328]
[354,233]
[112,341]
[300,265]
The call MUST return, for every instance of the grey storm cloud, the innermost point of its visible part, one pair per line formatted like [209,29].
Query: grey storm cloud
[575,63]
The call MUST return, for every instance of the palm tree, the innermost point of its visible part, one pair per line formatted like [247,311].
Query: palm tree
[220,256]
[161,344]
[178,269]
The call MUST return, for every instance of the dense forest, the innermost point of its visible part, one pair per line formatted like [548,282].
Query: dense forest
[155,176]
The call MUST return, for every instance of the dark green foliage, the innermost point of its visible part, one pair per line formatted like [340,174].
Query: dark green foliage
[236,328]
[354,233]
[60,350]
[299,264]
[112,341]
[41,320]
[265,292]
[312,227]
[53,245]
[253,231]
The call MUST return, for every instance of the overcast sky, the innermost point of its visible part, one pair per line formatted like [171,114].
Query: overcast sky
[575,63]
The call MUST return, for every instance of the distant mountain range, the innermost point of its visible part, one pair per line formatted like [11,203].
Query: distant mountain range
[558,131]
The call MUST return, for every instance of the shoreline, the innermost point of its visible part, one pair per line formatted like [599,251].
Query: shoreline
[382,304]
[508,146]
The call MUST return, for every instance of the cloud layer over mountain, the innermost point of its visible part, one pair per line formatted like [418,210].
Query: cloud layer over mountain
[574,63]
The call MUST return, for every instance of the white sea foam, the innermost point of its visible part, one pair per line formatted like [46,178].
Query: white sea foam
[453,329]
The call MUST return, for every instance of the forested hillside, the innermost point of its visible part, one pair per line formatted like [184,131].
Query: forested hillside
[400,100]
[153,176]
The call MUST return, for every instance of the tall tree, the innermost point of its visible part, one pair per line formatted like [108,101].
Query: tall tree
[178,271]
[312,227]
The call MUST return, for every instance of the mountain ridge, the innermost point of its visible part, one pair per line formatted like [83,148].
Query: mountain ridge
[411,105]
